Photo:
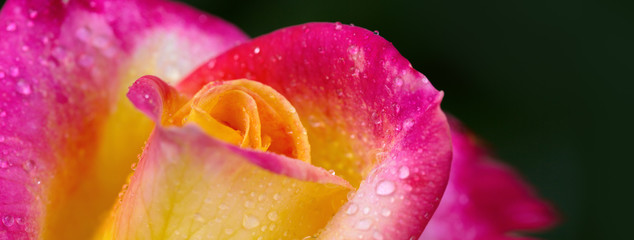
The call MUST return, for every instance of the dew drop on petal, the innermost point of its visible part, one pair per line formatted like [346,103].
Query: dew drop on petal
[363,224]
[11,27]
[403,172]
[32,14]
[23,88]
[338,26]
[8,220]
[386,212]
[377,236]
[398,82]
[385,188]
[272,215]
[408,123]
[352,209]
[4,164]
[256,50]
[14,71]
[28,165]
[250,222]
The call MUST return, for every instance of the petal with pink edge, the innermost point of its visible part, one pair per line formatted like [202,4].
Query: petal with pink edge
[64,69]
[485,199]
[189,185]
[370,117]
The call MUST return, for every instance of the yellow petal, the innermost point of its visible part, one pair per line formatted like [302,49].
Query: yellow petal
[188,185]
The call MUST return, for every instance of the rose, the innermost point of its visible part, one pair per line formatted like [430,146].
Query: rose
[67,153]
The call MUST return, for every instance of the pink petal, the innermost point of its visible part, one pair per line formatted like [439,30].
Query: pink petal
[485,199]
[62,66]
[368,114]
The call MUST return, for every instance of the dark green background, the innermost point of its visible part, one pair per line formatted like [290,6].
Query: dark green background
[546,83]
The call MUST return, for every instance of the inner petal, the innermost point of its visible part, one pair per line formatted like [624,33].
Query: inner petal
[247,114]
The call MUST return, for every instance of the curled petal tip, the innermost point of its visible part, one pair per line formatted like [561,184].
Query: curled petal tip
[147,94]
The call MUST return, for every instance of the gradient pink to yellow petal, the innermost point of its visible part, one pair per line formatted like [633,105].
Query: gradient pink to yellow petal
[188,184]
[367,112]
[69,136]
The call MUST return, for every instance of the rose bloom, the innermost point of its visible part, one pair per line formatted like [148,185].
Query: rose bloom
[152,120]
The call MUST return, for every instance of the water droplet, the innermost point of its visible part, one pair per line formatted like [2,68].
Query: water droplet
[133,166]
[363,224]
[376,32]
[338,26]
[228,231]
[272,216]
[385,188]
[19,220]
[256,50]
[198,218]
[398,82]
[32,14]
[332,172]
[353,50]
[82,34]
[8,220]
[248,204]
[352,209]
[377,236]
[250,222]
[1,75]
[408,123]
[11,27]
[14,71]
[350,195]
[403,172]
[2,137]
[276,197]
[23,88]
[3,114]
[28,165]
[4,164]
[366,210]
[261,198]
[386,212]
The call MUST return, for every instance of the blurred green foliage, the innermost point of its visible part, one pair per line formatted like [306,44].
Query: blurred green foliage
[546,83]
